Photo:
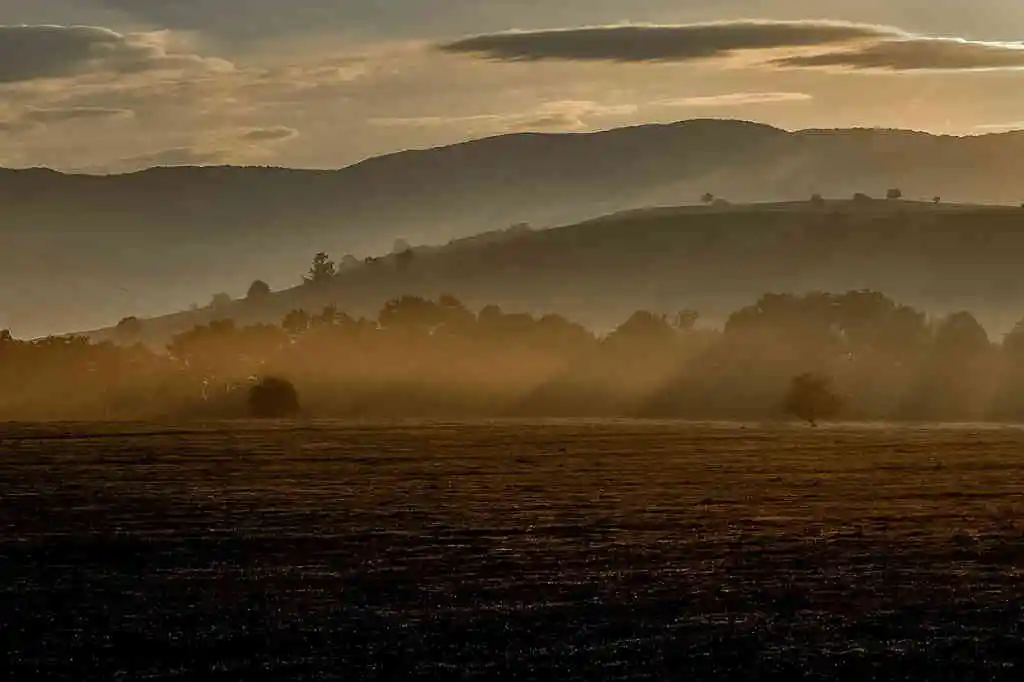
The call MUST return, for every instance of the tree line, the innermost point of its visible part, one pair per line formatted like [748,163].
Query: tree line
[859,350]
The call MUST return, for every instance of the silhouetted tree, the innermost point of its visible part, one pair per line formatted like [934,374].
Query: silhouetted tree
[258,291]
[411,314]
[1013,344]
[128,329]
[936,200]
[404,259]
[489,313]
[685,320]
[894,194]
[707,198]
[643,327]
[961,335]
[322,269]
[810,397]
[220,301]
[273,398]
[296,322]
[330,316]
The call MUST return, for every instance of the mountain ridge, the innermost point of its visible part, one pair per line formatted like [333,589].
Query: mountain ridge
[160,239]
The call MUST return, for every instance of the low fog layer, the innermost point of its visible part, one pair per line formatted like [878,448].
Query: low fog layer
[421,358]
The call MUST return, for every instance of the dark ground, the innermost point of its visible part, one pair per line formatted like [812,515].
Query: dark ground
[566,550]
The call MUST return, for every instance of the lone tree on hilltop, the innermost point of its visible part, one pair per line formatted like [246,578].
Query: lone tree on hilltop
[128,329]
[322,269]
[707,198]
[220,301]
[258,291]
[894,194]
[273,398]
[811,397]
[404,259]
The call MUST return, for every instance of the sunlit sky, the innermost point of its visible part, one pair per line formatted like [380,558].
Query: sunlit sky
[116,85]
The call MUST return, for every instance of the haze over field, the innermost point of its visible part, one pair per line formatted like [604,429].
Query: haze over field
[527,339]
[110,86]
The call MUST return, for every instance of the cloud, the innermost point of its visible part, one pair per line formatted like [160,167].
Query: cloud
[66,115]
[35,118]
[174,156]
[810,44]
[272,134]
[917,54]
[736,99]
[565,115]
[665,43]
[238,146]
[29,53]
[13,126]
[1012,126]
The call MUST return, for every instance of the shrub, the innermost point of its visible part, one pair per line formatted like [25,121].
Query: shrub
[811,397]
[273,398]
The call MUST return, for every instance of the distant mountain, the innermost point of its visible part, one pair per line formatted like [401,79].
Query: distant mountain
[79,251]
[716,259]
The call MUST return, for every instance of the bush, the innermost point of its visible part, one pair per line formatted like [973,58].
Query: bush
[810,397]
[273,398]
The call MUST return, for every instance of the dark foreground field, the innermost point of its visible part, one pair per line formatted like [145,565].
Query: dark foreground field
[598,551]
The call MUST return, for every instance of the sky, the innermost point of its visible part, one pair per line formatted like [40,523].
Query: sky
[106,86]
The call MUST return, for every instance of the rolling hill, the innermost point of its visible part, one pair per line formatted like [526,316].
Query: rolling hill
[79,251]
[937,257]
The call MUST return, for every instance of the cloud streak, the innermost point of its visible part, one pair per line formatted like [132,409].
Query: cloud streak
[809,44]
[37,118]
[917,54]
[239,146]
[736,99]
[565,116]
[69,114]
[271,134]
[669,43]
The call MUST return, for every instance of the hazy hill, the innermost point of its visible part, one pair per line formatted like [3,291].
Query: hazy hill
[78,251]
[939,258]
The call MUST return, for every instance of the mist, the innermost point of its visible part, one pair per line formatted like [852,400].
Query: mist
[419,358]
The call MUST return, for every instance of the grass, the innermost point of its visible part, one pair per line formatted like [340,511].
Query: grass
[525,550]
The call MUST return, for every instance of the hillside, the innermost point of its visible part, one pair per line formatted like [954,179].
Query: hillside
[939,258]
[78,251]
